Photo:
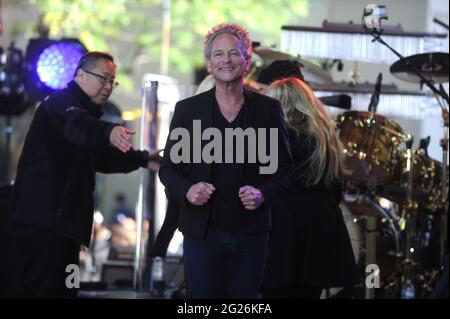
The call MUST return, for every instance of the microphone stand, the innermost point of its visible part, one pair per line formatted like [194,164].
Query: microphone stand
[441,23]
[444,174]
[377,37]
[4,174]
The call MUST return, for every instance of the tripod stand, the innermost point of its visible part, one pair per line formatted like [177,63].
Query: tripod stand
[4,173]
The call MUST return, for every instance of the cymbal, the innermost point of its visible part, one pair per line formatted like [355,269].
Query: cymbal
[433,66]
[269,55]
[311,72]
[341,101]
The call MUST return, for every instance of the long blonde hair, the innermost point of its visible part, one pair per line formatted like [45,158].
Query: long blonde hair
[206,84]
[305,113]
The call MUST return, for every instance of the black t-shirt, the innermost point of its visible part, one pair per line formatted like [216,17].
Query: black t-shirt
[226,179]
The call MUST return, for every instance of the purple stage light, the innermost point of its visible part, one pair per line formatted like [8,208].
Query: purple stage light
[57,63]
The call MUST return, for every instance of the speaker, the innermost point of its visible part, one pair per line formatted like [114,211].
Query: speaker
[122,253]
[118,274]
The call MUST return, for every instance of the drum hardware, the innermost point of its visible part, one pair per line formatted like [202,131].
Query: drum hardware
[444,171]
[444,192]
[420,176]
[413,65]
[376,227]
[409,213]
[406,267]
[410,270]
[417,173]
[409,186]
[371,227]
[424,280]
[441,23]
[428,282]
[428,69]
[410,206]
[433,66]
[373,158]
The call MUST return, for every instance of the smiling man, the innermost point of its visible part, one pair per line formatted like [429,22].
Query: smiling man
[52,207]
[225,205]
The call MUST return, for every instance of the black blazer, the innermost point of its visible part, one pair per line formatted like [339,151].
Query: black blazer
[259,112]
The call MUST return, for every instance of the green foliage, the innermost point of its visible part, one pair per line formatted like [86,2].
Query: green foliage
[132,29]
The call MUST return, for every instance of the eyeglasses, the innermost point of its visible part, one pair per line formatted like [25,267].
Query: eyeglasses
[103,79]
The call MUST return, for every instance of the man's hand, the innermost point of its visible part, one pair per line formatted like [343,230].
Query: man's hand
[251,197]
[154,160]
[199,194]
[120,138]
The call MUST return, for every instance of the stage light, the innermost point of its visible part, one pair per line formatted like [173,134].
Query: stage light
[57,64]
[13,97]
[50,65]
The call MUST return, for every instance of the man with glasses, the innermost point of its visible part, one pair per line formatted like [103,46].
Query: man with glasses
[52,207]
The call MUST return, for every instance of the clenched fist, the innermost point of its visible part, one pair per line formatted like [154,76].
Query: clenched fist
[251,197]
[199,194]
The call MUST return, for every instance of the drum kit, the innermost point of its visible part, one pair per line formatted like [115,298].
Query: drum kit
[396,190]
[397,197]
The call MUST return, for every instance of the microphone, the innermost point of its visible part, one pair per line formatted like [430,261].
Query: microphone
[376,95]
[341,101]
[372,16]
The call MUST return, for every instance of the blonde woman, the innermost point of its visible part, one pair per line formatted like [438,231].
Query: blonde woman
[309,247]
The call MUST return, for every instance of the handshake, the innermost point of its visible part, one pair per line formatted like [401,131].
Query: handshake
[120,138]
[154,160]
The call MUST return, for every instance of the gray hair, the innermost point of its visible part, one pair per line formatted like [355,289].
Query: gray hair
[233,29]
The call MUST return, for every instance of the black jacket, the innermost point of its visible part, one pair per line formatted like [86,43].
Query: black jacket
[65,145]
[309,241]
[259,112]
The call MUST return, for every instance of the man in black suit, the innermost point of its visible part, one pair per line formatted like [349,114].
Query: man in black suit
[226,199]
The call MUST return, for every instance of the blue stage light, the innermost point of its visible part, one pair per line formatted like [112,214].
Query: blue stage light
[50,65]
[56,65]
